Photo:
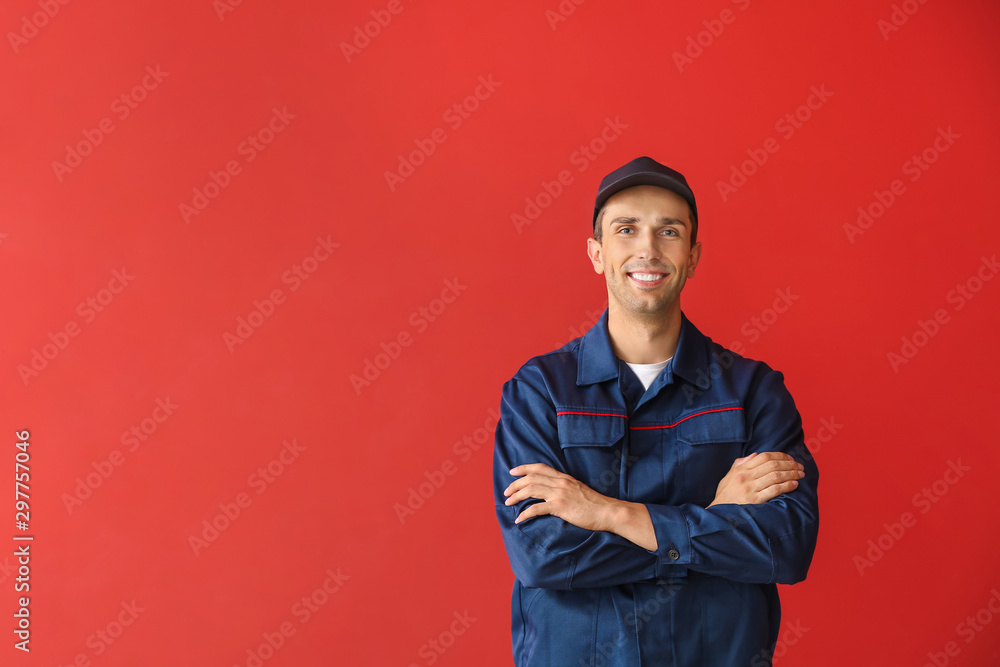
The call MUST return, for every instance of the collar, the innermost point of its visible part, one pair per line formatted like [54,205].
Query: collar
[597,362]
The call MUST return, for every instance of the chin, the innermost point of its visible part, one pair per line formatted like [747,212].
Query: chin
[648,308]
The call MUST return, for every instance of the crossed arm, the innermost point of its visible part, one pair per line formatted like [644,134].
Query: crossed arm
[751,480]
[559,533]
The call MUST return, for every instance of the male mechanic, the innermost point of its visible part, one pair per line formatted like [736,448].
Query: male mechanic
[644,475]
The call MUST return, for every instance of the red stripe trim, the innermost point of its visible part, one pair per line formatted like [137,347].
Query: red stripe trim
[599,414]
[685,419]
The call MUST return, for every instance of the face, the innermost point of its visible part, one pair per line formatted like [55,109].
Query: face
[645,254]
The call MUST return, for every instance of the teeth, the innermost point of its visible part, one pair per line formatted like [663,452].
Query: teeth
[647,276]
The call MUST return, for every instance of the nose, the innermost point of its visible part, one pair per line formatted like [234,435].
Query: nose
[647,247]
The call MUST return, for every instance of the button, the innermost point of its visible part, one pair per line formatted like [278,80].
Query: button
[674,554]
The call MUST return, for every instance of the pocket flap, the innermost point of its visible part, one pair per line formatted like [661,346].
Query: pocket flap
[719,425]
[589,428]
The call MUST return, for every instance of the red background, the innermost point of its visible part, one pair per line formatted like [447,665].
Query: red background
[527,291]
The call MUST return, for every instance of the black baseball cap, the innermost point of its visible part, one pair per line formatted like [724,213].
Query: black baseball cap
[644,171]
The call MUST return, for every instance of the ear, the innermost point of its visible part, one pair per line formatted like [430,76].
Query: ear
[693,259]
[594,251]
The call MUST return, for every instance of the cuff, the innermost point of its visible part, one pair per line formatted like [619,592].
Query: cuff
[673,540]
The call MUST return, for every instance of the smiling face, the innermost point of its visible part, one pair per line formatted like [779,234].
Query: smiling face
[645,252]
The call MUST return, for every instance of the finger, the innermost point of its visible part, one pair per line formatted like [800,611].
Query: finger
[779,477]
[533,478]
[764,477]
[776,490]
[518,483]
[534,469]
[757,459]
[790,467]
[539,490]
[538,509]
[770,461]
[766,457]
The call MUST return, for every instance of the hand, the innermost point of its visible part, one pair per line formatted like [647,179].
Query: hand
[758,478]
[564,496]
[578,504]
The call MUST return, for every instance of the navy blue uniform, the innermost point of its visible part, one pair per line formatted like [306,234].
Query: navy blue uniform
[706,596]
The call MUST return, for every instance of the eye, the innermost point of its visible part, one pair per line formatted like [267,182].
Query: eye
[624,229]
[672,231]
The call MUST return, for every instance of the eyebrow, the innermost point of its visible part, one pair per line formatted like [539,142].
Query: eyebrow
[629,220]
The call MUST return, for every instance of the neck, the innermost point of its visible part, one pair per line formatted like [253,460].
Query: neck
[644,339]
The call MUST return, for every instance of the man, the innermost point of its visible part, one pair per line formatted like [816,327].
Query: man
[644,475]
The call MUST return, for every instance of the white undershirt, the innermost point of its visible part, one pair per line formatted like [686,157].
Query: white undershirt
[648,372]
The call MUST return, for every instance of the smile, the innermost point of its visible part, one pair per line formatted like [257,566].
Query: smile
[647,279]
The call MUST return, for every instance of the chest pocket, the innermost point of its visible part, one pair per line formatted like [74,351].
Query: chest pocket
[708,443]
[592,446]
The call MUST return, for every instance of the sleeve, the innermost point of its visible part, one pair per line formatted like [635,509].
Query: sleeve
[771,542]
[547,551]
